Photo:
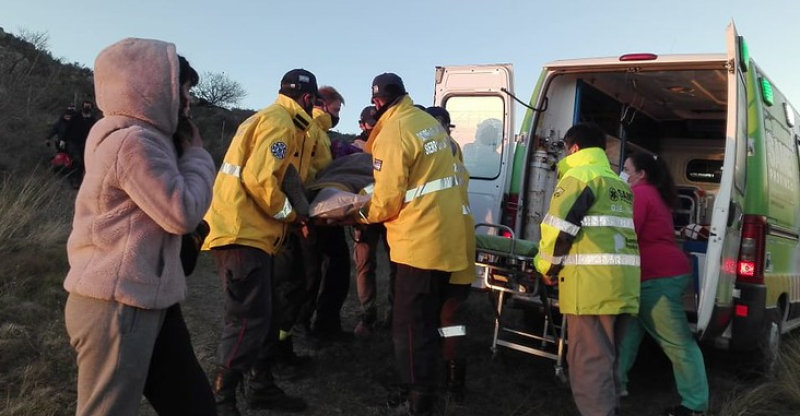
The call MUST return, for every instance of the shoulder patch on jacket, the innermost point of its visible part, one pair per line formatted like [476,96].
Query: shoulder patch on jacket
[558,192]
[278,150]
[377,164]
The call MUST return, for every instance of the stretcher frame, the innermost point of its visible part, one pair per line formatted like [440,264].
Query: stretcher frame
[509,274]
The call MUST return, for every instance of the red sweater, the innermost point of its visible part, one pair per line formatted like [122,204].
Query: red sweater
[660,254]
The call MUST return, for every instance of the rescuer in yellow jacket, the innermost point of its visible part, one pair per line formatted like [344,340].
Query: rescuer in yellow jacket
[589,247]
[248,217]
[299,272]
[453,325]
[296,265]
[417,195]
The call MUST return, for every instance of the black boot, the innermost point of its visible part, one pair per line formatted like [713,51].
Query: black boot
[224,386]
[399,397]
[262,393]
[288,365]
[420,403]
[456,371]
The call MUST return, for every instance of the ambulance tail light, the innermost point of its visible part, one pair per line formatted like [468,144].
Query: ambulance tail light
[750,265]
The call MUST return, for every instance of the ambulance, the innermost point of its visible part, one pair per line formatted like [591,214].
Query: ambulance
[730,138]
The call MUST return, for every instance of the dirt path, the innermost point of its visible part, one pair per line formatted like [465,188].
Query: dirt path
[351,379]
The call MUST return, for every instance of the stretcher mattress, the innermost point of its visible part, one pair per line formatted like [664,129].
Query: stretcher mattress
[502,245]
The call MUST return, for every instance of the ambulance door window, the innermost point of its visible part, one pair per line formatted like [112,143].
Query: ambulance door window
[479,131]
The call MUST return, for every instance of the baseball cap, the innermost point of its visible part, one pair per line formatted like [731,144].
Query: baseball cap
[368,115]
[388,85]
[441,114]
[300,80]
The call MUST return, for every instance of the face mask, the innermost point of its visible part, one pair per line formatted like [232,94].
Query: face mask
[624,176]
[334,121]
[309,108]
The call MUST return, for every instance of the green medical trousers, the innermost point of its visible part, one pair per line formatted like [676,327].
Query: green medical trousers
[661,315]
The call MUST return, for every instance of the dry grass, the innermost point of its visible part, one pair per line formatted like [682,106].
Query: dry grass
[36,360]
[777,396]
[36,211]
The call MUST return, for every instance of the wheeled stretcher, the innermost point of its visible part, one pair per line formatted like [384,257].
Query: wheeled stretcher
[506,269]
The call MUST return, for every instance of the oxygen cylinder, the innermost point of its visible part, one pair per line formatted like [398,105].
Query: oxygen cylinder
[537,195]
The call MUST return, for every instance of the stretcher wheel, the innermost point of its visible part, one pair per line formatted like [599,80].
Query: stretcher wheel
[561,376]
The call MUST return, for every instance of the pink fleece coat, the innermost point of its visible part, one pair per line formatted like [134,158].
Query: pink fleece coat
[137,198]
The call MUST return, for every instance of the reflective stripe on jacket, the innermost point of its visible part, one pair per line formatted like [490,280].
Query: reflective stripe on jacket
[417,190]
[249,207]
[588,238]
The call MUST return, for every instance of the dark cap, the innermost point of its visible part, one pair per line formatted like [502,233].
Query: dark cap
[299,80]
[388,85]
[441,114]
[368,115]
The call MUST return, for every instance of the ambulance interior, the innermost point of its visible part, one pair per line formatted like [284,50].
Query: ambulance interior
[678,115]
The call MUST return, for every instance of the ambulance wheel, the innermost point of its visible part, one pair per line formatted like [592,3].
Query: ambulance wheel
[769,348]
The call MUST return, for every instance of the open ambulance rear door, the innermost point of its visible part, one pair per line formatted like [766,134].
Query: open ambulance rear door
[719,275]
[482,112]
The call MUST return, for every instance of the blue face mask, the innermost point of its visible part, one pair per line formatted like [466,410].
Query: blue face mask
[624,176]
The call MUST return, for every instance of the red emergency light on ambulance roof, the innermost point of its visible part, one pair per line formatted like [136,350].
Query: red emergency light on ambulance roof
[638,57]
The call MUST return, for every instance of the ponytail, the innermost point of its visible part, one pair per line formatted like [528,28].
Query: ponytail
[658,175]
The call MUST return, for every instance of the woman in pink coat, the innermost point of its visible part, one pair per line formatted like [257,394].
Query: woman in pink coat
[138,197]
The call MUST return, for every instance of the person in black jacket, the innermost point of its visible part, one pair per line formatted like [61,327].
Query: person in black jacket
[59,130]
[75,134]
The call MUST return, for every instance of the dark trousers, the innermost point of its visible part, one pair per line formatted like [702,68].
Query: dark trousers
[335,283]
[176,383]
[296,278]
[451,315]
[419,296]
[77,169]
[246,275]
[365,248]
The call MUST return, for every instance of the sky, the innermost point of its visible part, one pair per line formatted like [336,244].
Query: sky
[347,43]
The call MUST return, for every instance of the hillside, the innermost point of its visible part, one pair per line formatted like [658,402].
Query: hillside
[37,87]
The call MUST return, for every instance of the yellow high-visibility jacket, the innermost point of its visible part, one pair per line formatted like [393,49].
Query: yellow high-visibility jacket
[248,207]
[417,192]
[588,238]
[303,156]
[321,155]
[468,275]
[370,141]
